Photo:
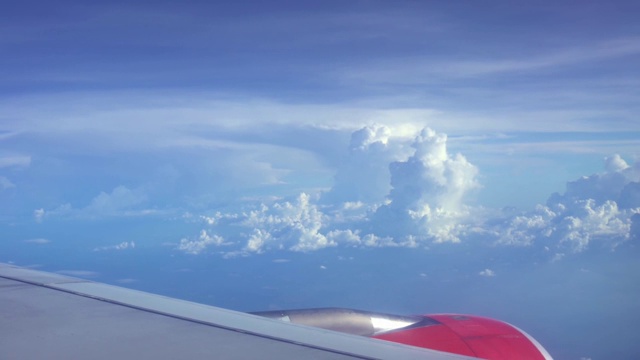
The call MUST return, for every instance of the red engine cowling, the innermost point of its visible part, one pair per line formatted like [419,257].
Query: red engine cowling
[459,334]
[472,336]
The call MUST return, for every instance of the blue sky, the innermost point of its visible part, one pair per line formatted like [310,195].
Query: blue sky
[297,154]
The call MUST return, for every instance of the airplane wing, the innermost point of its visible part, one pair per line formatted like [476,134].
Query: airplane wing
[50,316]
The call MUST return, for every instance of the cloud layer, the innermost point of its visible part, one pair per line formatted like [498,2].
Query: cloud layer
[390,191]
[395,188]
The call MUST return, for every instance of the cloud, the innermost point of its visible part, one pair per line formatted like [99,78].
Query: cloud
[125,245]
[211,220]
[487,273]
[634,231]
[121,201]
[118,199]
[618,180]
[363,175]
[396,190]
[14,161]
[428,189]
[38,214]
[422,202]
[424,70]
[523,230]
[294,225]
[122,246]
[586,221]
[199,245]
[6,183]
[615,163]
[600,208]
[39,241]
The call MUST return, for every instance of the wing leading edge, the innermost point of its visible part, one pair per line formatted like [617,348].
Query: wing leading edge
[45,315]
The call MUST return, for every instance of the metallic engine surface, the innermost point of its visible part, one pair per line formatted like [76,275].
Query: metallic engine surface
[350,321]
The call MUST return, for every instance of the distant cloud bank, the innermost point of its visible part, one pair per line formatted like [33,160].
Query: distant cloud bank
[600,209]
[390,191]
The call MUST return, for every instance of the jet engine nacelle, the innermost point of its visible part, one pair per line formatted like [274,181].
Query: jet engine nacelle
[460,334]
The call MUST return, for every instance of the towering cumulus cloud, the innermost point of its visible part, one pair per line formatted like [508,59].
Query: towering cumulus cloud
[389,191]
[363,176]
[426,199]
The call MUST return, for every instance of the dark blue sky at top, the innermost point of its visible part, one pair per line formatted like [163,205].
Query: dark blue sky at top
[275,48]
[404,157]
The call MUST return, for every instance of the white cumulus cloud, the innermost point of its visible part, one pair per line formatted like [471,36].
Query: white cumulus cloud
[598,208]
[295,225]
[487,273]
[200,244]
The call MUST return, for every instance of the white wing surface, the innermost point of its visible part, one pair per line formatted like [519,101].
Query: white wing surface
[50,316]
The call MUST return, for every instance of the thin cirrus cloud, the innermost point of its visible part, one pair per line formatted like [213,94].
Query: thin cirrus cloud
[6,183]
[38,241]
[425,70]
[79,273]
[199,124]
[14,161]
[121,201]
[121,246]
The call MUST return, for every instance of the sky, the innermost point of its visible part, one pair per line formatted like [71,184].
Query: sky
[404,157]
